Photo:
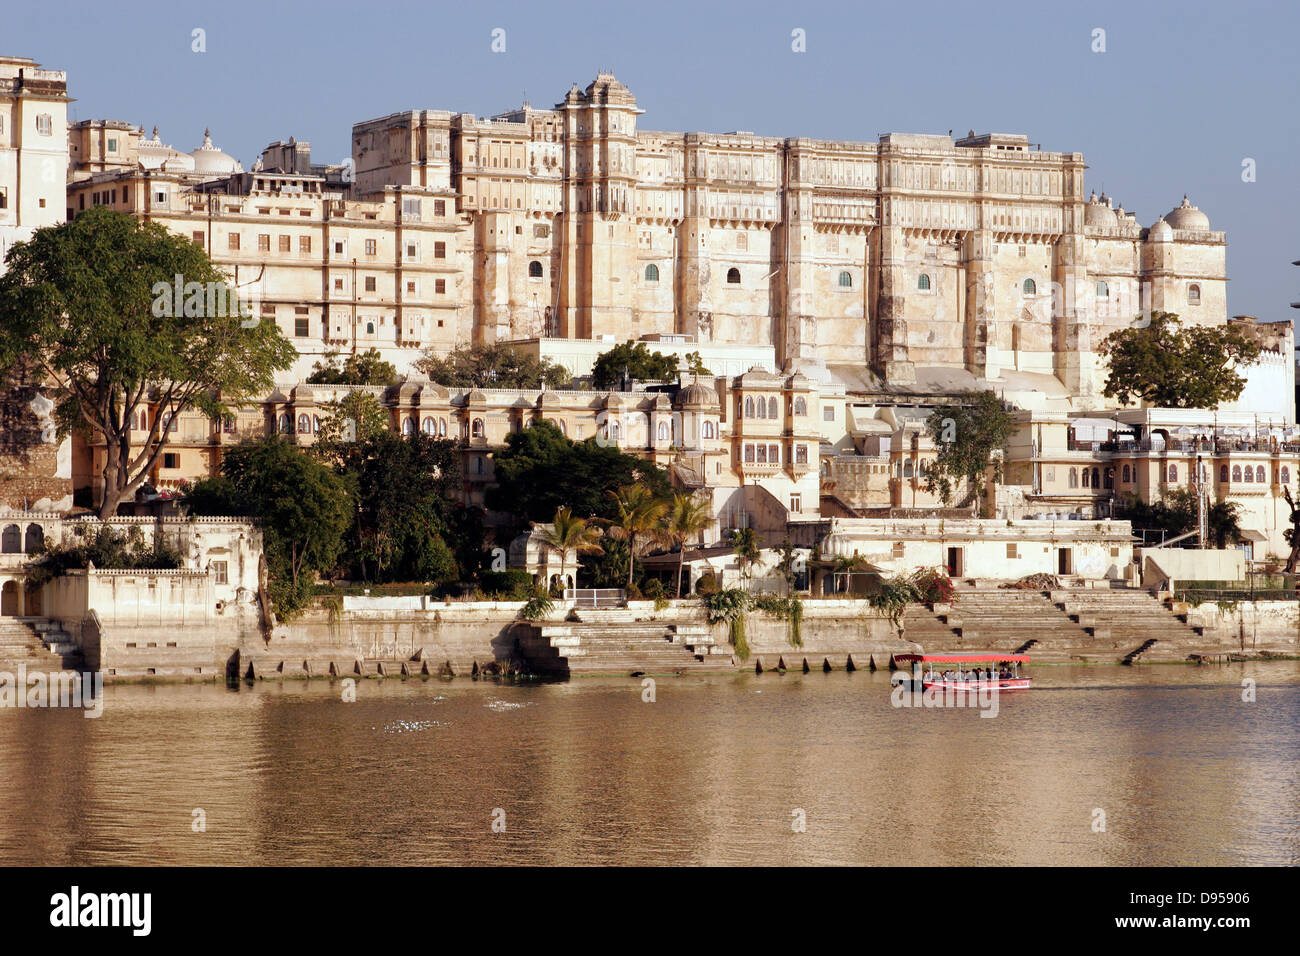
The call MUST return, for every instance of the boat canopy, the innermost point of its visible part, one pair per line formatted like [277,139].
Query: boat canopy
[962,658]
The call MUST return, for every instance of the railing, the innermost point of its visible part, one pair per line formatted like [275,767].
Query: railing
[1195,596]
[596,597]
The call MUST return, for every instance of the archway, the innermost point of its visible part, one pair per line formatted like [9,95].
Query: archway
[9,603]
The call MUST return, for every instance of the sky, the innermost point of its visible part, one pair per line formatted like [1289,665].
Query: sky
[1182,95]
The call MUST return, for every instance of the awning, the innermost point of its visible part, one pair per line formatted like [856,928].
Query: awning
[865,425]
[1252,535]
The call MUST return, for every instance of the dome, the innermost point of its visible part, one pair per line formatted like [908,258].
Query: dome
[155,154]
[210,161]
[1098,213]
[1187,216]
[696,395]
[1160,232]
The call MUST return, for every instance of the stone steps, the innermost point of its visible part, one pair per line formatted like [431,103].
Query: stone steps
[627,647]
[38,645]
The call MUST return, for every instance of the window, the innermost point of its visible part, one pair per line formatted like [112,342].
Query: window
[749,454]
[1086,478]
[301,326]
[285,424]
[923,283]
[264,243]
[4,198]
[1074,478]
[1096,478]
[846,280]
[710,432]
[370,283]
[663,431]
[11,541]
[476,430]
[219,573]
[440,250]
[772,410]
[440,207]
[1236,472]
[410,209]
[1193,294]
[340,247]
[1223,472]
[733,276]
[800,405]
[35,538]
[761,452]
[907,468]
[801,454]
[1259,474]
[1102,290]
[285,243]
[749,407]
[534,270]
[429,426]
[304,243]
[338,285]
[1126,473]
[171,460]
[652,273]
[828,413]
[232,241]
[196,237]
[1110,478]
[796,502]
[1012,552]
[44,124]
[408,427]
[1029,287]
[1250,474]
[1286,475]
[1173,472]
[440,286]
[372,247]
[304,425]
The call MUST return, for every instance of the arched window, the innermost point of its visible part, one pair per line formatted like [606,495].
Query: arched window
[408,427]
[733,276]
[772,410]
[749,407]
[663,431]
[652,273]
[1102,290]
[286,424]
[1250,474]
[709,430]
[315,423]
[1259,474]
[1236,472]
[1110,478]
[1193,294]
[35,538]
[1173,472]
[1074,478]
[1223,472]
[801,454]
[1096,478]
[1029,287]
[1086,477]
[534,270]
[1124,476]
[614,430]
[559,423]
[429,426]
[476,429]
[846,280]
[1286,475]
[11,540]
[370,328]
[923,283]
[800,405]
[907,468]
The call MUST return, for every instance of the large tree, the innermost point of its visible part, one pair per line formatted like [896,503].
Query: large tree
[358,368]
[569,534]
[122,315]
[638,520]
[967,435]
[1169,366]
[638,361]
[491,366]
[687,517]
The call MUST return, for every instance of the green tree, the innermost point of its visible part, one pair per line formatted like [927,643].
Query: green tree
[90,303]
[745,546]
[356,417]
[104,547]
[568,534]
[491,366]
[1168,366]
[967,435]
[301,505]
[540,470]
[638,520]
[640,363]
[358,368]
[1176,512]
[686,518]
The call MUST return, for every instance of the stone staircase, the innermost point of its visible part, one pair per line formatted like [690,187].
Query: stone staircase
[621,647]
[1016,622]
[1132,620]
[37,643]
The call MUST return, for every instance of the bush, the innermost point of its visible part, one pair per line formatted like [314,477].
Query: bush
[707,584]
[514,585]
[537,606]
[934,586]
[730,606]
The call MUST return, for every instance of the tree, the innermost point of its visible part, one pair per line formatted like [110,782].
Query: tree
[491,366]
[1168,366]
[687,517]
[640,363]
[569,534]
[638,519]
[1292,534]
[301,505]
[745,545]
[95,304]
[356,417]
[540,470]
[359,368]
[967,435]
[1177,512]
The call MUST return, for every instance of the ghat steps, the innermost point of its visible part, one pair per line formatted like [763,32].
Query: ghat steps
[626,647]
[38,644]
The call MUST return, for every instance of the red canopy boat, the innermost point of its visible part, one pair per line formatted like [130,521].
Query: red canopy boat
[1002,672]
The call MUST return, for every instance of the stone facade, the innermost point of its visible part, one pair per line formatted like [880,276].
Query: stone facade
[33,149]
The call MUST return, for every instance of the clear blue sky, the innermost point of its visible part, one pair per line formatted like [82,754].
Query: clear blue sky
[1183,93]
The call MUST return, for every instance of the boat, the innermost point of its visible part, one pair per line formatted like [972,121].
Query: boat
[1001,671]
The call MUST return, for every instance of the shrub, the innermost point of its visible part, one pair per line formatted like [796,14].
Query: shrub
[934,586]
[537,606]
[730,605]
[707,584]
[514,585]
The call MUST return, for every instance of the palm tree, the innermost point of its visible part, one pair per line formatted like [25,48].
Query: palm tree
[640,518]
[744,544]
[687,516]
[571,534]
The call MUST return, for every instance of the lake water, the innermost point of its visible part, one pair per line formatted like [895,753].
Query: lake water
[715,771]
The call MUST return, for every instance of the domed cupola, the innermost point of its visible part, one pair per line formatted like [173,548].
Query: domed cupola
[1186,216]
[1160,231]
[1098,214]
[210,161]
